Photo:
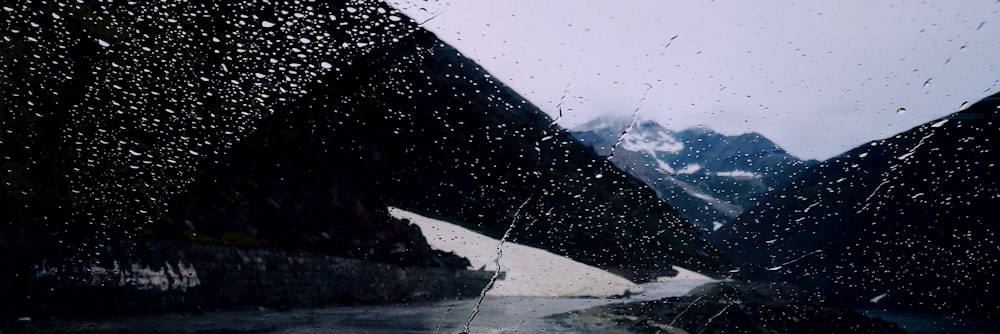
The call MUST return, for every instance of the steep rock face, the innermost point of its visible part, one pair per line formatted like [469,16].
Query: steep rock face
[709,177]
[907,222]
[132,120]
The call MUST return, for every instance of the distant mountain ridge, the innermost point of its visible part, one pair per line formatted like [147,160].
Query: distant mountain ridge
[908,222]
[709,177]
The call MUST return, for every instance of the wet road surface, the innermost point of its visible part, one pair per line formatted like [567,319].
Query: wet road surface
[497,315]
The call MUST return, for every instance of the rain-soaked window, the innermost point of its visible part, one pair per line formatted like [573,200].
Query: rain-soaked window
[283,166]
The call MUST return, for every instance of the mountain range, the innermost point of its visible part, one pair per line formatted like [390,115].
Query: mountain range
[709,177]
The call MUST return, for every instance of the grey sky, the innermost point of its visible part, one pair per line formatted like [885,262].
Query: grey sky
[817,77]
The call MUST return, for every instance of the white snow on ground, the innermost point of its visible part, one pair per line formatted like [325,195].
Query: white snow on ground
[679,285]
[528,271]
[684,274]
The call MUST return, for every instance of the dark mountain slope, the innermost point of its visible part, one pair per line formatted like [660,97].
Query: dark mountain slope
[132,120]
[907,222]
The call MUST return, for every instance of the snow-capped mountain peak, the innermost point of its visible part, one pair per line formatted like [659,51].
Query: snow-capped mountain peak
[711,177]
[651,138]
[644,136]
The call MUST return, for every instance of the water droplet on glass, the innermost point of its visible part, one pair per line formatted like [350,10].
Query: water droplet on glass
[963,105]
[900,110]
[928,82]
[325,65]
[267,24]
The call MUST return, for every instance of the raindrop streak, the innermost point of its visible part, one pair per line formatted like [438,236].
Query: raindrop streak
[671,41]
[562,100]
[421,24]
[635,114]
[686,309]
[496,274]
[868,200]
[795,260]
[705,326]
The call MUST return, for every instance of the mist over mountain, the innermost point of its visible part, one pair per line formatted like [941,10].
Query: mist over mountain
[709,177]
[908,222]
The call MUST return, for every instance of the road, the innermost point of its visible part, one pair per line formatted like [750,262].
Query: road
[497,315]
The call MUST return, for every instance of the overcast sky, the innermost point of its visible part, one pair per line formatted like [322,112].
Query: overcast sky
[817,77]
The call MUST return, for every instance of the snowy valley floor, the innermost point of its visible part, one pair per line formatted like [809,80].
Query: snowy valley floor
[530,271]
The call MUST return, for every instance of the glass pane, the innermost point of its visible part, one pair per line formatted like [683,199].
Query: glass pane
[499,166]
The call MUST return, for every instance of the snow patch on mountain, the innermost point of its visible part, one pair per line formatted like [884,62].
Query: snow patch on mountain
[689,169]
[739,174]
[528,271]
[663,166]
[651,142]
[702,196]
[730,210]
